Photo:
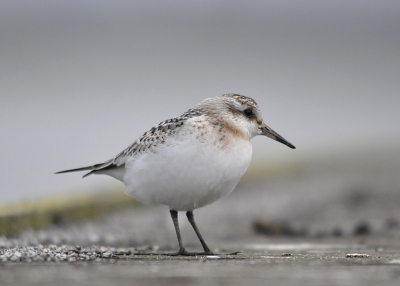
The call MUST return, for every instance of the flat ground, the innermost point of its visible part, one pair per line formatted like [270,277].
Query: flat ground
[297,229]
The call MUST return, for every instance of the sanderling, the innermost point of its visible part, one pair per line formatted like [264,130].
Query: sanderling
[191,160]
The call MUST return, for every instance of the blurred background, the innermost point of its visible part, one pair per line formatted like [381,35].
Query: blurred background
[81,80]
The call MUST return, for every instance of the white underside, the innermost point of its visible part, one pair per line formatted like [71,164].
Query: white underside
[184,175]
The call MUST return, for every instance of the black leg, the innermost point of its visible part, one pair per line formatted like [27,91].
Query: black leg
[190,217]
[182,250]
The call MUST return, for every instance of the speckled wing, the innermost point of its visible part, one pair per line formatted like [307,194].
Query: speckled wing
[150,139]
[155,136]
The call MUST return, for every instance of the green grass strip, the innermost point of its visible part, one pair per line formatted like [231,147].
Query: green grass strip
[59,211]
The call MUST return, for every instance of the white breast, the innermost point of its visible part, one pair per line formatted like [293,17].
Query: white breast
[185,173]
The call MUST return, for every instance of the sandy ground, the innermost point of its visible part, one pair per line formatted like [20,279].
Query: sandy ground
[291,230]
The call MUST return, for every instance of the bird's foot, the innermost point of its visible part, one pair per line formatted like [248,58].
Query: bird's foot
[212,253]
[234,253]
[184,252]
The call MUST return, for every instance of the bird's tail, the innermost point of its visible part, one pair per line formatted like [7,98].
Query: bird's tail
[92,169]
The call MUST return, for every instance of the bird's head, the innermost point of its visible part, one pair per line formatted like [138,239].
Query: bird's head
[245,114]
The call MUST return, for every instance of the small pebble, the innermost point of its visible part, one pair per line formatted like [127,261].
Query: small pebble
[213,257]
[107,254]
[357,255]
[14,258]
[17,254]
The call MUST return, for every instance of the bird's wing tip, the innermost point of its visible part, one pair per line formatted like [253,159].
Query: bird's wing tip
[87,174]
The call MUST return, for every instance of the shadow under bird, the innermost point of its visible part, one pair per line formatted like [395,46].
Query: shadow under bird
[192,160]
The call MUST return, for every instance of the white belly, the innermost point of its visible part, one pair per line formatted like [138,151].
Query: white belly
[186,175]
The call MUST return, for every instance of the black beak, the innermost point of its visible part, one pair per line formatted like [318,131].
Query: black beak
[267,131]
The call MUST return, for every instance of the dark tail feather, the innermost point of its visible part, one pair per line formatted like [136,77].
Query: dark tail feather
[94,168]
[76,170]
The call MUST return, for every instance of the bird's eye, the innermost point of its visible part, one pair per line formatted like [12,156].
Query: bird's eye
[248,112]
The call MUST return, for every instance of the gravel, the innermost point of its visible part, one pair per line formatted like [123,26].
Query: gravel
[55,253]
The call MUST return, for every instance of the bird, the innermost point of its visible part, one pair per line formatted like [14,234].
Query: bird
[192,160]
